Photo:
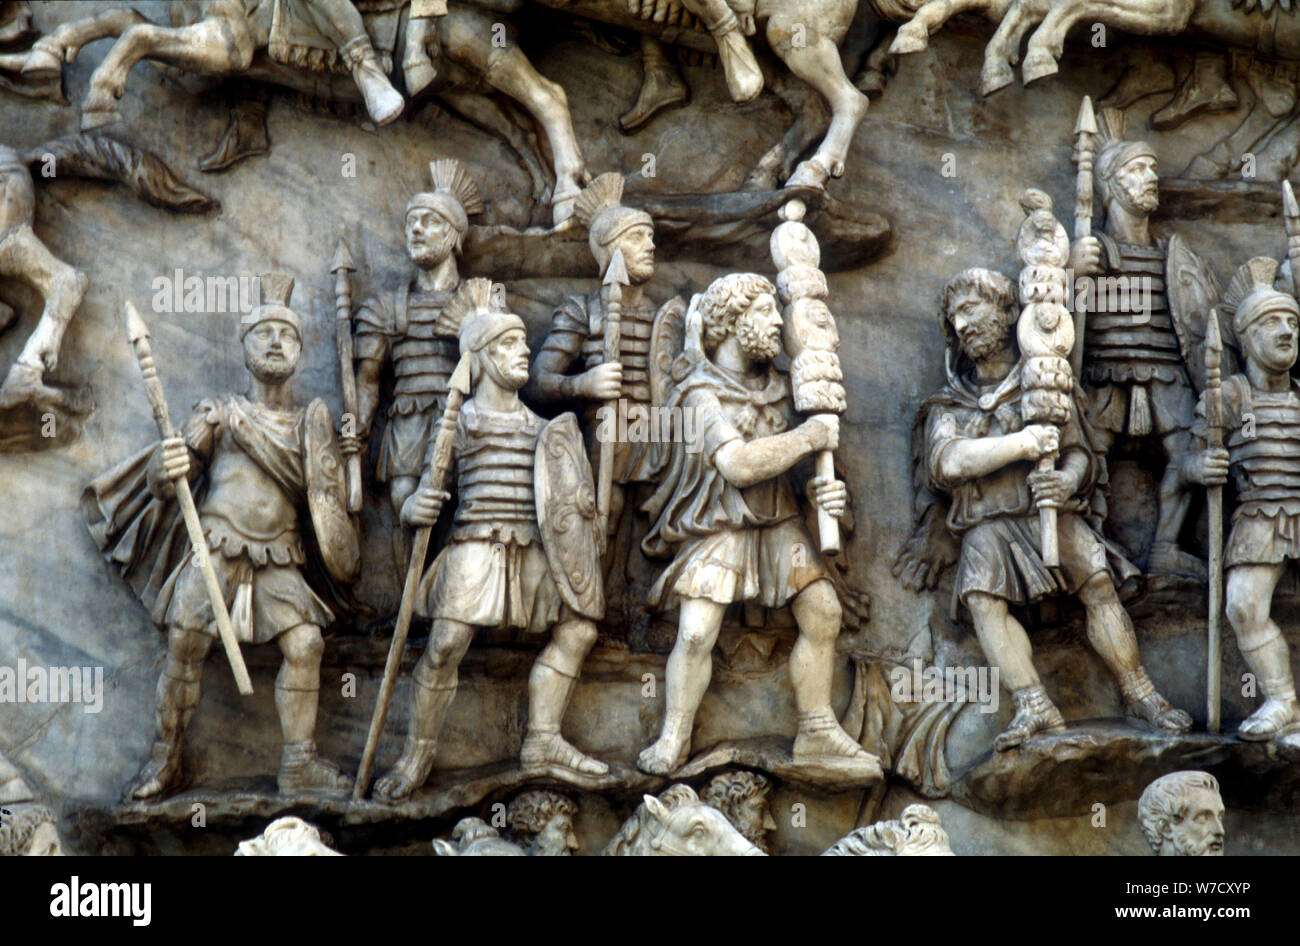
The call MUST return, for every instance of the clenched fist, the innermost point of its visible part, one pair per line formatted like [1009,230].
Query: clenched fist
[423,507]
[602,383]
[1040,440]
[829,493]
[175,458]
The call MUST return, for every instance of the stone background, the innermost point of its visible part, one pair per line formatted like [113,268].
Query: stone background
[61,605]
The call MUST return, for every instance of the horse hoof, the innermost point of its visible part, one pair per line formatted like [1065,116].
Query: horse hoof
[98,118]
[994,77]
[810,173]
[912,38]
[1039,64]
[42,63]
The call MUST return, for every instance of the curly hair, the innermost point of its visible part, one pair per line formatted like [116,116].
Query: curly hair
[1166,799]
[732,788]
[725,300]
[528,813]
[985,283]
[17,831]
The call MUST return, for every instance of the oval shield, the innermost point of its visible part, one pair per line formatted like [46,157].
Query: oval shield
[566,513]
[336,533]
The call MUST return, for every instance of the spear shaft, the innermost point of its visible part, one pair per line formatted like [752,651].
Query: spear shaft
[342,268]
[1085,152]
[138,333]
[1214,498]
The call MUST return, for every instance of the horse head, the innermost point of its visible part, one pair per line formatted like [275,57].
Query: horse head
[681,825]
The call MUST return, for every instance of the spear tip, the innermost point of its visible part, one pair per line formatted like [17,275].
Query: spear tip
[1087,122]
[1213,338]
[616,272]
[342,257]
[1289,205]
[136,328]
[460,378]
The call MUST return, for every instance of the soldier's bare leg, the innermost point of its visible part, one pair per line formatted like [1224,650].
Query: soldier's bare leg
[1249,598]
[340,21]
[297,696]
[812,666]
[1006,647]
[1110,631]
[550,685]
[690,667]
[177,697]
[662,86]
[744,78]
[433,686]
[399,490]
[1172,507]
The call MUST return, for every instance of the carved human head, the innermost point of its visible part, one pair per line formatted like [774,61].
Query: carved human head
[1182,814]
[1129,178]
[30,829]
[494,338]
[437,220]
[1265,321]
[543,822]
[979,307]
[743,305]
[742,797]
[270,333]
[611,226]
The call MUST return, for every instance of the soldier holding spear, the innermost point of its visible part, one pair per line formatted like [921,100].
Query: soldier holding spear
[260,460]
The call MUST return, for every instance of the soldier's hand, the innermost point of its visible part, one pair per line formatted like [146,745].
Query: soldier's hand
[829,493]
[1040,440]
[423,507]
[1051,488]
[1210,467]
[175,458]
[602,383]
[824,431]
[350,445]
[1085,256]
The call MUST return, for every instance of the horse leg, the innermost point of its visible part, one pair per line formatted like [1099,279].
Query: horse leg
[48,54]
[811,121]
[818,63]
[215,46]
[61,287]
[1147,16]
[1004,48]
[483,112]
[914,35]
[466,41]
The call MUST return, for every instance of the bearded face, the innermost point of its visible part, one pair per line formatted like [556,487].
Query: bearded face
[557,838]
[752,818]
[1200,832]
[505,359]
[1137,185]
[430,238]
[271,351]
[638,246]
[758,329]
[980,324]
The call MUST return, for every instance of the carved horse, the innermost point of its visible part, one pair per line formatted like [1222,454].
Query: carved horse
[1270,28]
[677,823]
[229,38]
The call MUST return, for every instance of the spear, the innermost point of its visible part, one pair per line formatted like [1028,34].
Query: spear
[437,469]
[1291,214]
[342,267]
[615,279]
[1085,151]
[1214,496]
[138,334]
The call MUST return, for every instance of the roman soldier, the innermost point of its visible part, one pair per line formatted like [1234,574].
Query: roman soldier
[407,332]
[577,338]
[1261,420]
[521,554]
[728,515]
[260,465]
[1134,349]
